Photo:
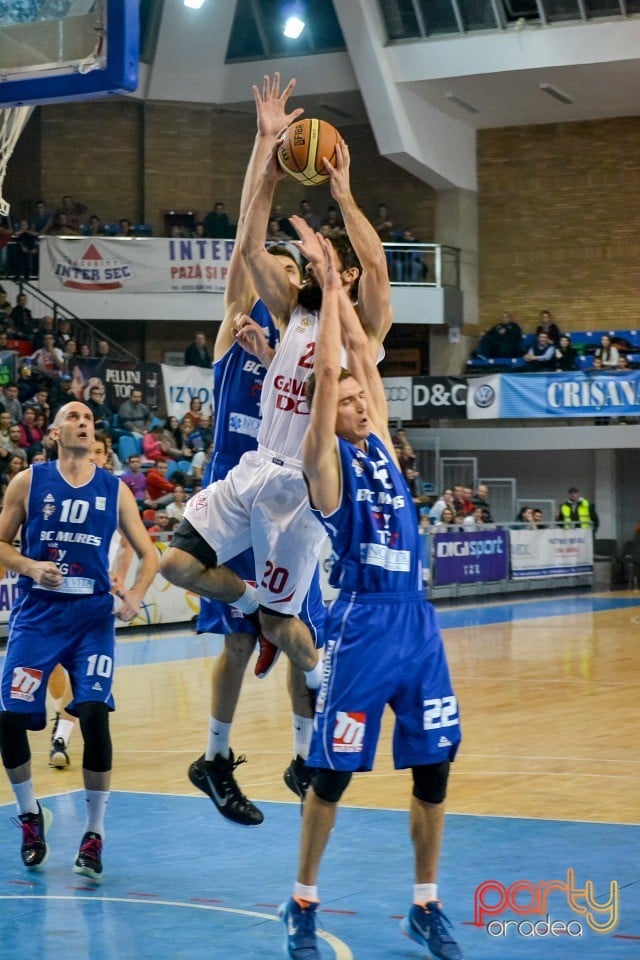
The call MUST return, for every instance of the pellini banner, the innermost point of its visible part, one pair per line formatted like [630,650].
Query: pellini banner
[136,265]
[470,557]
[550,553]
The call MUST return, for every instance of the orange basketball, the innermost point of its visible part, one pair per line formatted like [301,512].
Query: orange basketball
[305,144]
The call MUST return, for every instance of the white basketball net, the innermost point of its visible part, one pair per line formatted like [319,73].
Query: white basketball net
[12,121]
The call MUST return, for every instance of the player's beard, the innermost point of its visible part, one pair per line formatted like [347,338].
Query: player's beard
[310,296]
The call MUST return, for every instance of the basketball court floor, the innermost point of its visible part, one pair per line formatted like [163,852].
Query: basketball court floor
[542,845]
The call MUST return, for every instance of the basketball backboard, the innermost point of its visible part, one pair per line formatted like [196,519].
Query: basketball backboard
[56,50]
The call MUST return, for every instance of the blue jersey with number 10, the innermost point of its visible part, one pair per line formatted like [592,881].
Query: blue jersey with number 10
[71,527]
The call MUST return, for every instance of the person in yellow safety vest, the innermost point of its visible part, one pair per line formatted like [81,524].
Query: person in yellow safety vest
[577,511]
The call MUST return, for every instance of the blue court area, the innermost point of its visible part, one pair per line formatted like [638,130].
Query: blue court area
[182,884]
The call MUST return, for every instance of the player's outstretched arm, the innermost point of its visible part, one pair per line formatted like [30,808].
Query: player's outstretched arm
[374,291]
[134,530]
[320,456]
[272,117]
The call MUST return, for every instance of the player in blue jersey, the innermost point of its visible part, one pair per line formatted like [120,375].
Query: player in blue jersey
[64,613]
[383,645]
[238,377]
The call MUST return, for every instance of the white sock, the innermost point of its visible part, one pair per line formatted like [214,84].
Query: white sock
[96,807]
[303,892]
[64,730]
[248,601]
[218,741]
[424,893]
[25,797]
[313,677]
[302,730]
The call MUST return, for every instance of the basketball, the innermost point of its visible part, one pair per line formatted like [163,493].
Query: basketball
[305,144]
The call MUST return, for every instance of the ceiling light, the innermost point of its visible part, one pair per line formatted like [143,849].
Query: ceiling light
[293,27]
[193,4]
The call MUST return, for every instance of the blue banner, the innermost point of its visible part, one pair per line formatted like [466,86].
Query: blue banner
[576,394]
[470,557]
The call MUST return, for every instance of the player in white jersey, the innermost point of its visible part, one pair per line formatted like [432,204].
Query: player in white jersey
[263,501]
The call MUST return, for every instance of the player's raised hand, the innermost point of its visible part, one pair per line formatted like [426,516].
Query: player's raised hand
[251,338]
[309,244]
[271,106]
[339,180]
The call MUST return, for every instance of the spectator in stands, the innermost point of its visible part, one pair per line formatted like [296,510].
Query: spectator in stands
[283,223]
[60,393]
[274,233]
[195,412]
[474,520]
[16,463]
[578,511]
[541,356]
[134,414]
[538,518]
[26,241]
[161,522]
[27,386]
[311,219]
[39,400]
[96,227]
[383,224]
[22,318]
[103,349]
[73,210]
[124,228]
[623,363]
[202,435]
[6,321]
[49,445]
[607,353]
[175,509]
[547,326]
[332,220]
[47,362]
[46,325]
[137,483]
[63,333]
[481,499]
[216,223]
[30,434]
[525,515]
[445,500]
[84,350]
[101,412]
[199,462]
[5,440]
[69,355]
[447,517]
[502,341]
[10,402]
[160,489]
[174,445]
[59,226]
[407,267]
[197,354]
[153,445]
[42,217]
[565,354]
[4,299]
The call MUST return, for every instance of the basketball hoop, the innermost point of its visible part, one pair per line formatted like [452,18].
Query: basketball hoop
[12,121]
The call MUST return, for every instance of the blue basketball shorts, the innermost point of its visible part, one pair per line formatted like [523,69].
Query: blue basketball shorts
[384,649]
[77,633]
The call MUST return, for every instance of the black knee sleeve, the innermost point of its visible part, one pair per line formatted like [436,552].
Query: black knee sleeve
[430,781]
[14,743]
[94,723]
[185,537]
[329,785]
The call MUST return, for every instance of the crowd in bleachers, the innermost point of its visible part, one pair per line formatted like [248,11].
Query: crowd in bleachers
[505,348]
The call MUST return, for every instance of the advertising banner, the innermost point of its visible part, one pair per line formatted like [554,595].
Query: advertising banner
[484,397]
[439,398]
[182,384]
[470,557]
[550,553]
[576,394]
[136,265]
[398,391]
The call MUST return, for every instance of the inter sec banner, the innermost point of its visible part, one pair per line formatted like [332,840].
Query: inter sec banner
[576,394]
[136,265]
[470,557]
[554,552]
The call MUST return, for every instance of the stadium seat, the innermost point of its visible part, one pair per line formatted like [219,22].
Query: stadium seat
[148,517]
[129,446]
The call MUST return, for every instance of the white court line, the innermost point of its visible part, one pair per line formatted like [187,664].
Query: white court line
[340,949]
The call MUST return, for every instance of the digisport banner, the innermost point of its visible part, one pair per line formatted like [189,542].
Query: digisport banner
[144,265]
[571,394]
[470,557]
[550,553]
